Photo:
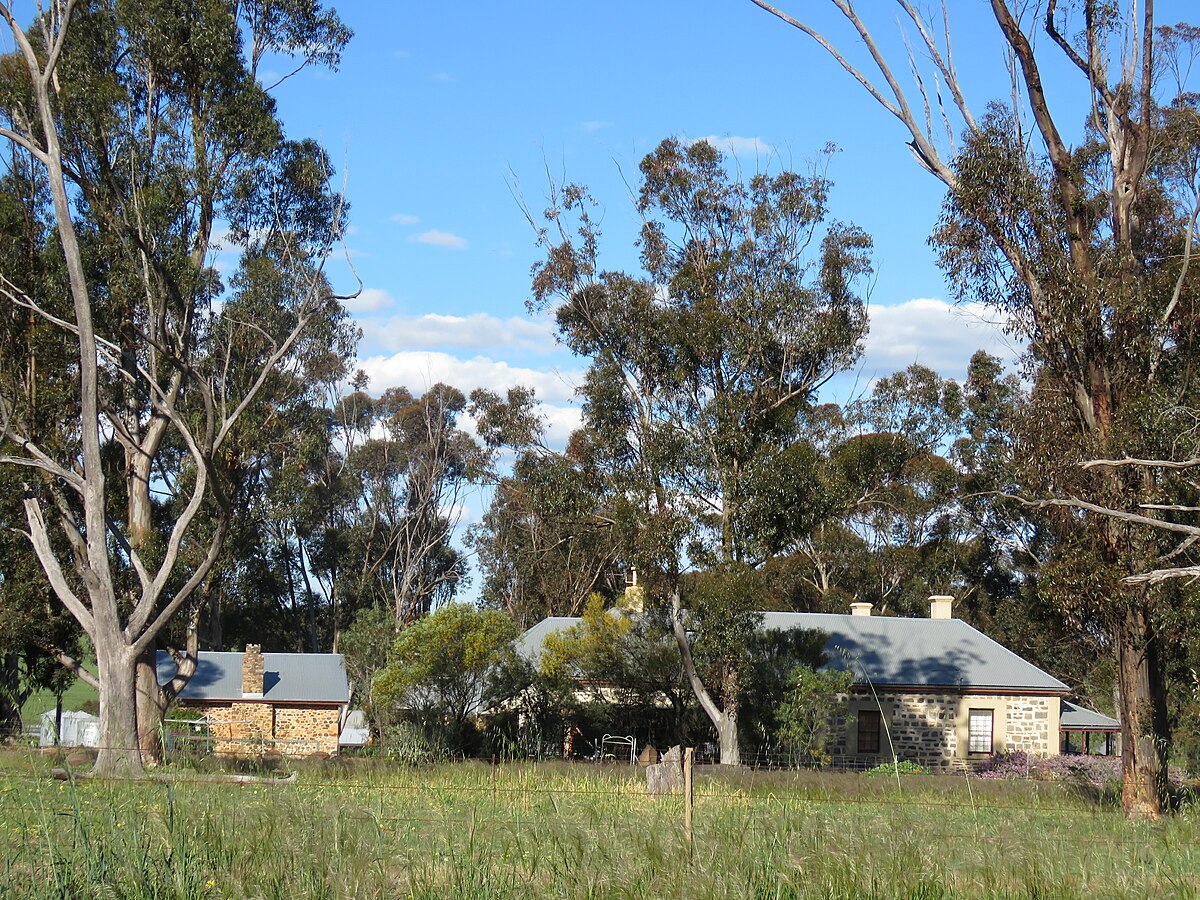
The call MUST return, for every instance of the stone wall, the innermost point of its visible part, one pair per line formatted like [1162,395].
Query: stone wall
[932,729]
[241,729]
[251,729]
[300,730]
[1032,725]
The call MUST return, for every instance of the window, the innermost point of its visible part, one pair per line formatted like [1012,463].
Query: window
[980,731]
[869,726]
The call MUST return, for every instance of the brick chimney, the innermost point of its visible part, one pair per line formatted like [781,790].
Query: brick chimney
[939,606]
[860,609]
[252,671]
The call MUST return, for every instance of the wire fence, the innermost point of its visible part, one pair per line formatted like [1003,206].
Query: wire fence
[194,761]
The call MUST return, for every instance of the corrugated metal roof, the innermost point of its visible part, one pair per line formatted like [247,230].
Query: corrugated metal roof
[287,677]
[917,652]
[886,650]
[1076,716]
[529,645]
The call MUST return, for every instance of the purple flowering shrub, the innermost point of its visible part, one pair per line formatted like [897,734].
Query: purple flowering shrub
[1101,771]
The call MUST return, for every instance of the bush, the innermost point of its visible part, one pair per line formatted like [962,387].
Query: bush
[903,767]
[1099,771]
[406,743]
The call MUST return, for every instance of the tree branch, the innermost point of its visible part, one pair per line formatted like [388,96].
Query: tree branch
[75,667]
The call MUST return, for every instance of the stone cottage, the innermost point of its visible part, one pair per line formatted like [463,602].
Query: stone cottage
[933,691]
[254,702]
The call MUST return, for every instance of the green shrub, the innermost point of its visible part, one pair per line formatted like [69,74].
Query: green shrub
[902,767]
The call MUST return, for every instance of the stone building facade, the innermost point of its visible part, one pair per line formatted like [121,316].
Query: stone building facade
[253,703]
[933,728]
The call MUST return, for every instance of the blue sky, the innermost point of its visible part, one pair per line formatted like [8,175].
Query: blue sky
[440,112]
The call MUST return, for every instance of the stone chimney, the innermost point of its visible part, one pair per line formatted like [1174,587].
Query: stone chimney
[860,609]
[252,671]
[633,601]
[939,606]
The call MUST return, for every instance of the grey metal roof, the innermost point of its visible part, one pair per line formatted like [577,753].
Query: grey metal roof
[886,650]
[287,677]
[529,645]
[1075,716]
[917,652]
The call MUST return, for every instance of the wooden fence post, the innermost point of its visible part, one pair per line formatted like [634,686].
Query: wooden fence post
[688,797]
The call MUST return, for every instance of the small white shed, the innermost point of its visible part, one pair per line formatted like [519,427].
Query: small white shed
[355,732]
[79,729]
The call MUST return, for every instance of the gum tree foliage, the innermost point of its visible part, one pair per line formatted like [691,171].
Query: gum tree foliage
[620,672]
[408,475]
[441,672]
[547,541]
[890,491]
[1077,224]
[263,589]
[347,504]
[148,127]
[703,368]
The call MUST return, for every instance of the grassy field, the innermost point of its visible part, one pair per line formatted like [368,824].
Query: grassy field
[75,697]
[475,830]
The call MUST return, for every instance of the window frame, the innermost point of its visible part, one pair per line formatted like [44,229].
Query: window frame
[972,713]
[877,716]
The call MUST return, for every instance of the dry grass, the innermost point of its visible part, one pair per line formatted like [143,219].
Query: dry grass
[476,830]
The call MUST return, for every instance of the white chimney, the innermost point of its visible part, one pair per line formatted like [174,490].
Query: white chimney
[939,606]
[860,609]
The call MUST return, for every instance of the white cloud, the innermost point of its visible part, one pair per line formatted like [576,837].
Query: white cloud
[933,333]
[438,238]
[738,146]
[477,331]
[594,125]
[560,422]
[418,370]
[461,514]
[370,300]
[404,219]
[444,77]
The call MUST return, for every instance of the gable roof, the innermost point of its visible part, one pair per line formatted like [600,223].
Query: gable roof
[887,651]
[287,677]
[917,652]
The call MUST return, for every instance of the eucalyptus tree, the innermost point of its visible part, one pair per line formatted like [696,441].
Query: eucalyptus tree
[1085,245]
[546,543]
[703,367]
[411,475]
[150,127]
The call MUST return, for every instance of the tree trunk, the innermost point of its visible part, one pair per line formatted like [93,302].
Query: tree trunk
[1143,716]
[10,692]
[727,734]
[727,728]
[154,698]
[117,670]
[151,707]
[724,720]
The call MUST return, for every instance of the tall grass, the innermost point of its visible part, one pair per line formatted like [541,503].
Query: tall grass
[555,830]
